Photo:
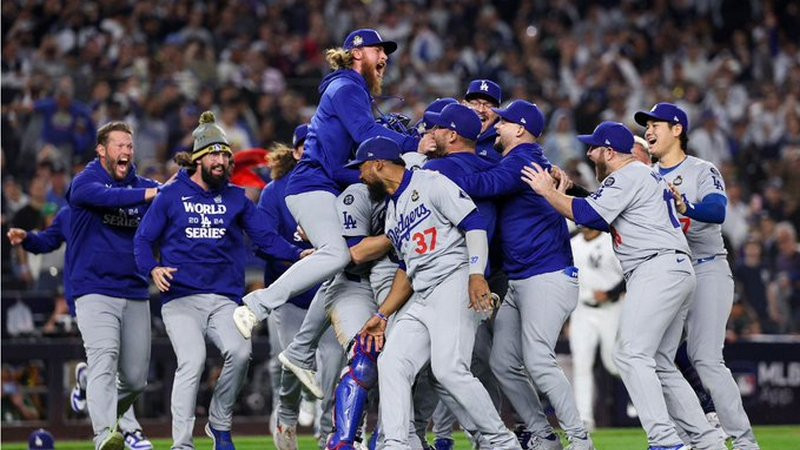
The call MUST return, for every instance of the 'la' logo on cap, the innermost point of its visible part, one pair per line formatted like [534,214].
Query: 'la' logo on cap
[358,40]
[484,86]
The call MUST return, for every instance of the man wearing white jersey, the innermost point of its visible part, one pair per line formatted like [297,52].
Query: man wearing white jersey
[699,192]
[438,233]
[635,205]
[596,318]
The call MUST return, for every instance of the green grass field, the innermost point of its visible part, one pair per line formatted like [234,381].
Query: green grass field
[770,438]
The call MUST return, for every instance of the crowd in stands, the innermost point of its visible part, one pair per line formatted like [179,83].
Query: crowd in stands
[69,66]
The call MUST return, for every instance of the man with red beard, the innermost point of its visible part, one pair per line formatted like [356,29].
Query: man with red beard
[342,121]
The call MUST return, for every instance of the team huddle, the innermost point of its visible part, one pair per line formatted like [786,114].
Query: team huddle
[427,268]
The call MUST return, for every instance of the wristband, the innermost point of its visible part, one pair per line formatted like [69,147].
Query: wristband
[381,316]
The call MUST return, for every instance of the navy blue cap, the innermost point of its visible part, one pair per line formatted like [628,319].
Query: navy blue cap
[459,118]
[610,134]
[523,113]
[663,112]
[484,88]
[435,106]
[299,135]
[367,37]
[377,148]
[41,439]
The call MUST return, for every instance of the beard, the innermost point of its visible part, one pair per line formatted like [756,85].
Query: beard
[600,170]
[111,166]
[377,191]
[498,145]
[373,82]
[215,182]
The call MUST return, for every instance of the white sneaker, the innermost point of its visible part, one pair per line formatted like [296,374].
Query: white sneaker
[285,437]
[308,410]
[306,376]
[137,441]
[114,441]
[245,320]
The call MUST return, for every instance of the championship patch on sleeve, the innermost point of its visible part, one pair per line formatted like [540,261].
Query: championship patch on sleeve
[609,181]
[348,199]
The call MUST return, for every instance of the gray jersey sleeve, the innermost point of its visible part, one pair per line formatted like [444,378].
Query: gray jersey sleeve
[709,181]
[614,195]
[450,200]
[355,211]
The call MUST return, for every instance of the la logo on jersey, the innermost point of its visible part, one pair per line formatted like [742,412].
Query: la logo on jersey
[484,86]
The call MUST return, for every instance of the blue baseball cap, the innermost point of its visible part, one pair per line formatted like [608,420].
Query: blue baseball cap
[367,37]
[41,439]
[459,118]
[299,135]
[663,112]
[377,148]
[523,113]
[610,134]
[484,88]
[435,106]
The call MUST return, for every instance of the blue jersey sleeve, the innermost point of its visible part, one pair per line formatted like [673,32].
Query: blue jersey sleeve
[710,210]
[264,236]
[148,234]
[93,193]
[502,179]
[49,239]
[586,215]
[473,221]
[353,105]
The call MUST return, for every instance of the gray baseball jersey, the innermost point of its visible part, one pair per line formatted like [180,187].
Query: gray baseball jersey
[637,204]
[713,298]
[360,216]
[696,178]
[421,221]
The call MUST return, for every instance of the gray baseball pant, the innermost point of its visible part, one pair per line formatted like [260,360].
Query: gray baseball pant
[443,418]
[116,336]
[316,213]
[274,364]
[417,337]
[528,325]
[705,335]
[189,320]
[651,324]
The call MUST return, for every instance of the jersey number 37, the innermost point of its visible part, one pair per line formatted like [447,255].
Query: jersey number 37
[426,241]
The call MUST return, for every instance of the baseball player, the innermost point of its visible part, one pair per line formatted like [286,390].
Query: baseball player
[45,242]
[286,320]
[198,224]
[427,218]
[700,200]
[595,320]
[456,130]
[482,96]
[342,121]
[107,201]
[543,283]
[635,205]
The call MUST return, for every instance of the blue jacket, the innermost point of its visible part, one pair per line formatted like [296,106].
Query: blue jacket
[199,233]
[534,236]
[485,146]
[342,121]
[50,240]
[273,204]
[105,215]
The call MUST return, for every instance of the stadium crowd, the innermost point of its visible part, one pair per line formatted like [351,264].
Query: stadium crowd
[70,66]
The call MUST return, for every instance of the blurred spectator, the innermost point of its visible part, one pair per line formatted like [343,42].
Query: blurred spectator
[752,277]
[709,142]
[17,405]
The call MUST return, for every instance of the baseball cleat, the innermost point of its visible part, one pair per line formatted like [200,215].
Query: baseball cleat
[306,376]
[114,441]
[444,444]
[307,413]
[221,440]
[285,437]
[135,440]
[577,443]
[77,397]
[245,320]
